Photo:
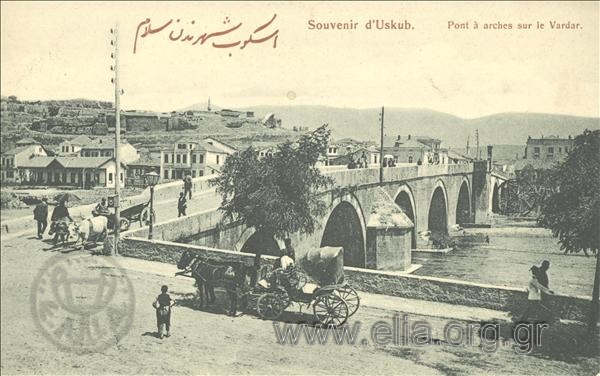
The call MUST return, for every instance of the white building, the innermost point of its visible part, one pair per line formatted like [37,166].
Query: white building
[195,158]
[15,157]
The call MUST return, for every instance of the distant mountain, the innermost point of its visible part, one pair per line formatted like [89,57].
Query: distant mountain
[363,124]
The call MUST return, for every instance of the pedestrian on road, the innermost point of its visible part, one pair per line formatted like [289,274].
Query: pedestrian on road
[163,304]
[181,204]
[40,214]
[187,186]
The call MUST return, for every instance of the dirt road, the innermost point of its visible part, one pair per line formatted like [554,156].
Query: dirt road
[212,343]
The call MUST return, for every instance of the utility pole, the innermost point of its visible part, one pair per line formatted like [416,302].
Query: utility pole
[381,151]
[467,153]
[477,155]
[115,80]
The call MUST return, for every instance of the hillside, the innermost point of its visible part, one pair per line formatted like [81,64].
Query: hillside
[363,124]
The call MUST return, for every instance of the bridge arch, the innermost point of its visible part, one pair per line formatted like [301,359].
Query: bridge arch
[252,241]
[464,211]
[437,217]
[405,199]
[345,226]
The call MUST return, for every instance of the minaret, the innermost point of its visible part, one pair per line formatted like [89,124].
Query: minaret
[208,106]
[467,153]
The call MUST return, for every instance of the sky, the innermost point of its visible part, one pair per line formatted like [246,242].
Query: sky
[56,50]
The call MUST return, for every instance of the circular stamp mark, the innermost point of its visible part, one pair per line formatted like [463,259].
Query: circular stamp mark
[82,303]
[291,95]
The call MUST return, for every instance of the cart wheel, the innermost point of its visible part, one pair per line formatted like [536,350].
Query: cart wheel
[271,305]
[144,217]
[351,298]
[330,309]
[125,224]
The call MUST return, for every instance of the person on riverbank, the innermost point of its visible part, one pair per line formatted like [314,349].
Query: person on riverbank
[181,204]
[40,214]
[535,289]
[163,304]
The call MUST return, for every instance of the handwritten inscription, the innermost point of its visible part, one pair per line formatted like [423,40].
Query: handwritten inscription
[218,39]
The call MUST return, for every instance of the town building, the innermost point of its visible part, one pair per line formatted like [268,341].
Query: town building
[136,171]
[71,171]
[415,149]
[85,146]
[370,154]
[228,148]
[195,158]
[13,159]
[549,148]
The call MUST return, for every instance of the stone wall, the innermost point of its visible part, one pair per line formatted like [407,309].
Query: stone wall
[170,253]
[460,292]
[380,282]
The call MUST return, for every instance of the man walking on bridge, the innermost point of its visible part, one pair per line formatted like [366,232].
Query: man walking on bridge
[187,186]
[181,204]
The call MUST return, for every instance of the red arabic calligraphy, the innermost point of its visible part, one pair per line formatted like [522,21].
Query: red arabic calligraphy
[144,29]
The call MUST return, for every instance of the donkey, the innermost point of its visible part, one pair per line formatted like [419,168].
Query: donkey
[61,232]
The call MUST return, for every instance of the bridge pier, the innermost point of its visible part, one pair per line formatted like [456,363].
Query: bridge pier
[389,235]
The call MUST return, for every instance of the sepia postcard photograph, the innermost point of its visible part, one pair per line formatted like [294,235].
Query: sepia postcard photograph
[300,188]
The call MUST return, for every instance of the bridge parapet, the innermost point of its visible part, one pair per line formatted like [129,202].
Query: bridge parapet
[367,176]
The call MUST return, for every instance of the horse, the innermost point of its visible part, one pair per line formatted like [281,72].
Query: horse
[186,263]
[232,276]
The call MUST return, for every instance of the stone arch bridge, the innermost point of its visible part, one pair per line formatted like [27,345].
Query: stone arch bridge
[376,222]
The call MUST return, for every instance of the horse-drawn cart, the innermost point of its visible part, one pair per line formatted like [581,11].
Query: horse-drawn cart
[139,212]
[317,280]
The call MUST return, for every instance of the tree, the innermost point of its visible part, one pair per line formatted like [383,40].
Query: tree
[572,211]
[276,194]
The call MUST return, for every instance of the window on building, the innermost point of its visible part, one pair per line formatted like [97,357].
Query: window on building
[121,175]
[536,152]
[166,174]
[73,177]
[97,177]
[166,158]
[10,174]
[193,158]
[560,150]
[181,146]
[178,158]
[550,152]
[217,159]
[410,159]
[110,177]
[201,172]
[193,173]
[200,159]
[184,158]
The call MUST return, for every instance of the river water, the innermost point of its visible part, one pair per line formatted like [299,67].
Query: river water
[505,261]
